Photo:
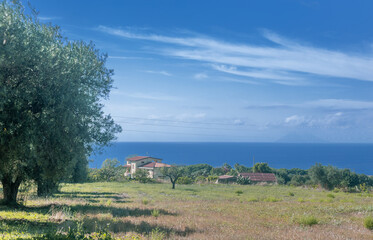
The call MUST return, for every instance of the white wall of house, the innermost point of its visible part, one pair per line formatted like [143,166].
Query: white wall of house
[135,165]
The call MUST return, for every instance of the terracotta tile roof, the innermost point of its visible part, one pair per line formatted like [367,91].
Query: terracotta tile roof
[127,165]
[226,177]
[155,165]
[260,177]
[138,158]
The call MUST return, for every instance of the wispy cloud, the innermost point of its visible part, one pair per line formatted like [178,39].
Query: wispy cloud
[330,120]
[164,73]
[45,18]
[201,76]
[146,95]
[126,58]
[330,104]
[284,61]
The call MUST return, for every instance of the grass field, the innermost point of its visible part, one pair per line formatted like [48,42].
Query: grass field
[155,211]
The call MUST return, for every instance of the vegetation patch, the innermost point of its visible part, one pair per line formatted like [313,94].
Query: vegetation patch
[368,222]
[307,220]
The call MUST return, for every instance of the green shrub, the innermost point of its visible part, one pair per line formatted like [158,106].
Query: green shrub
[301,200]
[184,180]
[308,221]
[271,199]
[145,201]
[330,195]
[368,222]
[200,179]
[157,234]
[243,180]
[253,199]
[238,192]
[155,213]
[291,194]
[212,178]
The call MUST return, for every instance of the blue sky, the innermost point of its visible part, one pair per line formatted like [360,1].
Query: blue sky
[245,71]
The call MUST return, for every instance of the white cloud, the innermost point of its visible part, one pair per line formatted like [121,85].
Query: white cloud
[344,104]
[285,63]
[328,104]
[324,121]
[45,18]
[152,96]
[160,72]
[201,76]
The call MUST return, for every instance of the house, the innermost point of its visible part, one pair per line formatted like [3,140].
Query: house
[151,164]
[260,177]
[226,179]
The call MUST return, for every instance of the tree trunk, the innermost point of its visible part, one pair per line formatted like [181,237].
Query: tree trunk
[173,184]
[10,190]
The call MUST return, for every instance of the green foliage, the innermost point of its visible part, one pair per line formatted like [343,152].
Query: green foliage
[155,213]
[212,178]
[145,201]
[173,173]
[238,192]
[271,199]
[308,220]
[142,176]
[196,170]
[241,168]
[200,179]
[262,168]
[184,180]
[368,222]
[330,177]
[330,195]
[291,194]
[243,180]
[50,101]
[157,234]
[217,171]
[110,171]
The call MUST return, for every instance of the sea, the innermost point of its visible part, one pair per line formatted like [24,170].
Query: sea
[356,157]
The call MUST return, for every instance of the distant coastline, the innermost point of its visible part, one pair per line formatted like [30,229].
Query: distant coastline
[357,157]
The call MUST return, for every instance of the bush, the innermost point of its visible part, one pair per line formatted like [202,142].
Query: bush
[271,199]
[308,221]
[142,176]
[110,171]
[291,194]
[368,222]
[238,192]
[253,199]
[243,180]
[330,195]
[200,179]
[184,180]
[212,178]
[155,213]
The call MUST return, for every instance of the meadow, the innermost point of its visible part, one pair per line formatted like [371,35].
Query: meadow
[131,210]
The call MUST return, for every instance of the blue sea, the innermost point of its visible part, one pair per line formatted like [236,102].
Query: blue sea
[357,157]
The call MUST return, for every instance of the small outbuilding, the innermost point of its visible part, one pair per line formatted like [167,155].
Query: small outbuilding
[226,179]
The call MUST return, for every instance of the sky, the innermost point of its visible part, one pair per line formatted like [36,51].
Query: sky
[231,71]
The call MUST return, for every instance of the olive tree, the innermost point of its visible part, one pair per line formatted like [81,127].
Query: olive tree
[50,102]
[174,173]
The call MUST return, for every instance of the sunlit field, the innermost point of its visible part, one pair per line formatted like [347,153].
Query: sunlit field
[210,211]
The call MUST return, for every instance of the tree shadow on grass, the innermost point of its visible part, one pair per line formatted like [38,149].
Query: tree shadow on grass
[31,227]
[98,209]
[90,225]
[143,227]
[93,195]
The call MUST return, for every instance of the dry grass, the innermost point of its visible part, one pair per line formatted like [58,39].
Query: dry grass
[199,212]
